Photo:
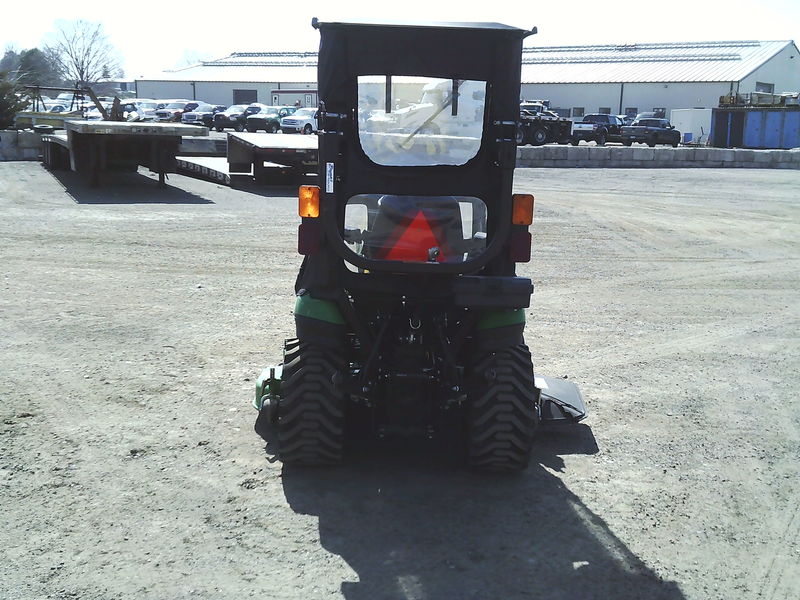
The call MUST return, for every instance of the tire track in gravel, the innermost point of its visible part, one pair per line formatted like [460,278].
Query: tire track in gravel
[776,584]
[654,346]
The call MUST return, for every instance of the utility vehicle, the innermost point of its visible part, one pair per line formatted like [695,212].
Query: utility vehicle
[409,311]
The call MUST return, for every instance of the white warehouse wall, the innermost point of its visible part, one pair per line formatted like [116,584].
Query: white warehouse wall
[590,96]
[642,96]
[215,92]
[782,70]
[647,96]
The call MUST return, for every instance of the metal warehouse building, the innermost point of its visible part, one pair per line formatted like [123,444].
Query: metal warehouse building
[621,79]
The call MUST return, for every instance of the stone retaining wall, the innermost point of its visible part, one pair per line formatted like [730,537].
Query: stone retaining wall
[655,158]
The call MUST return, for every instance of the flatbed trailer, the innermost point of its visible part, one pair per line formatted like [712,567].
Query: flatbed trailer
[98,146]
[261,153]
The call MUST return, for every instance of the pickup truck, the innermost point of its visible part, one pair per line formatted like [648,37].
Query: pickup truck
[600,128]
[538,125]
[651,131]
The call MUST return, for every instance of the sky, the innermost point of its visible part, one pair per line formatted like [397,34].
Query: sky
[158,36]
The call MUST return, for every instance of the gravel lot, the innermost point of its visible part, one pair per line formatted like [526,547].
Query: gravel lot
[134,321]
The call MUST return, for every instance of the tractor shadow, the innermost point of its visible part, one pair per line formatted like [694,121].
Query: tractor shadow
[123,188]
[414,523]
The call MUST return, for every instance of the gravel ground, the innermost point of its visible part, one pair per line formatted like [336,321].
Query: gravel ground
[134,321]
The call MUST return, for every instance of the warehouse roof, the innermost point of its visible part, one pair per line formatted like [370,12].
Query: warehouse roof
[628,63]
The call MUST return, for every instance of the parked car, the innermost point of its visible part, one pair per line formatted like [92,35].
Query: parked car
[651,132]
[175,109]
[202,115]
[597,127]
[268,119]
[132,110]
[232,117]
[144,109]
[304,120]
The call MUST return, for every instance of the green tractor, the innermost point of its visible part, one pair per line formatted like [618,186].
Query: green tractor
[409,311]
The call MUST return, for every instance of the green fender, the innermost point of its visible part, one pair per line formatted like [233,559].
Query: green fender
[322,310]
[492,319]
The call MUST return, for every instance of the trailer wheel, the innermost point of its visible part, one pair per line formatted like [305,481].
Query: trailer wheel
[519,136]
[539,136]
[311,410]
[502,410]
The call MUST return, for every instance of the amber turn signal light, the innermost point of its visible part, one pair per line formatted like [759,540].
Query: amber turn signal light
[523,209]
[309,201]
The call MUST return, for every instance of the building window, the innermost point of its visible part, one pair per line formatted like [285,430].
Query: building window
[561,112]
[766,88]
[577,111]
[604,110]
[661,113]
[245,96]
[631,111]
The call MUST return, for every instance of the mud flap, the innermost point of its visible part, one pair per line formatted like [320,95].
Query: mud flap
[560,401]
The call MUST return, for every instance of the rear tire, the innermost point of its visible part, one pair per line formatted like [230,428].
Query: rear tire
[307,129]
[238,127]
[502,410]
[311,410]
[651,141]
[601,139]
[539,136]
[272,128]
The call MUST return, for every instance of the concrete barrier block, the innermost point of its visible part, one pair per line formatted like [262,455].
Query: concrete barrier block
[619,154]
[29,139]
[663,156]
[557,152]
[643,154]
[744,155]
[683,154]
[726,155]
[599,153]
[782,156]
[701,155]
[762,156]
[8,138]
[578,153]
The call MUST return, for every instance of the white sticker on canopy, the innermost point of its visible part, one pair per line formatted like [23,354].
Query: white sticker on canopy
[329,178]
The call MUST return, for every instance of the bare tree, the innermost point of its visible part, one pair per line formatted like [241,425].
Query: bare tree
[82,53]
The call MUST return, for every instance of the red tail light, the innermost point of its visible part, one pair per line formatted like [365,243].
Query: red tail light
[520,247]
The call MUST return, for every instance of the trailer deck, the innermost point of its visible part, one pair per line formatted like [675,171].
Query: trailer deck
[98,146]
[261,153]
